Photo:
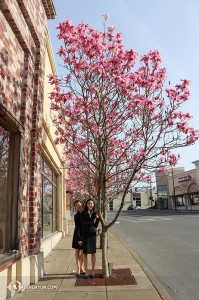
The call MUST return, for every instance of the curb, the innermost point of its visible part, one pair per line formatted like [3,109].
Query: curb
[157,285]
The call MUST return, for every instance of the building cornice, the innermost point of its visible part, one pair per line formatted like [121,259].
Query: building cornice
[196,162]
[49,9]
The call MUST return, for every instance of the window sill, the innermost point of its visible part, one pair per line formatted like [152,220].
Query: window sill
[49,236]
[8,259]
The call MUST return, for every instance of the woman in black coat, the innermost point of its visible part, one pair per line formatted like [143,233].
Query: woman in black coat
[89,221]
[76,242]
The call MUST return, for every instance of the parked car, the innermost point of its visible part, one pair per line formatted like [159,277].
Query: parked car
[130,207]
[137,207]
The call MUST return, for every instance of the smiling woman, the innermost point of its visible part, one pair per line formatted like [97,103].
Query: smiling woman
[89,221]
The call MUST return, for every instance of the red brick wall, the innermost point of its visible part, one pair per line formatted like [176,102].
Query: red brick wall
[22,56]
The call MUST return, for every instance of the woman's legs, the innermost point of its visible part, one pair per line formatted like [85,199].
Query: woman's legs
[78,259]
[81,261]
[86,264]
[93,260]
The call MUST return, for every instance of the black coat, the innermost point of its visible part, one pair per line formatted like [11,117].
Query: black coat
[77,231]
[89,232]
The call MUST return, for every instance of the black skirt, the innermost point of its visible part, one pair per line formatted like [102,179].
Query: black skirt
[77,231]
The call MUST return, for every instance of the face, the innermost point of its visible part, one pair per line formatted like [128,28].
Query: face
[78,206]
[90,204]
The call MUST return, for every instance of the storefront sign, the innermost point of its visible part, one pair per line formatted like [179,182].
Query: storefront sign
[186,178]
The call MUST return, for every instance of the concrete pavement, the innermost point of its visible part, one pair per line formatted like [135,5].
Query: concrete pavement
[60,269]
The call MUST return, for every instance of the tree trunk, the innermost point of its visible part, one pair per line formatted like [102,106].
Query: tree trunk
[105,271]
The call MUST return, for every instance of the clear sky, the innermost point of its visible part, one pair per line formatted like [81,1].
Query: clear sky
[170,26]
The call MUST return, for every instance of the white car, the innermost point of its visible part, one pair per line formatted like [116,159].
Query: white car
[137,207]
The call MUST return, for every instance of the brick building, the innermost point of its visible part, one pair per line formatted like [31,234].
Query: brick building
[32,190]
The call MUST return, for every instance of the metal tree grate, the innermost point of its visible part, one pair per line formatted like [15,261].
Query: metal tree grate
[119,277]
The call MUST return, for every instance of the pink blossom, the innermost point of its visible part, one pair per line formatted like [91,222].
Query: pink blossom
[106,16]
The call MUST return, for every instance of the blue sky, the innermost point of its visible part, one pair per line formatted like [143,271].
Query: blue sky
[170,26]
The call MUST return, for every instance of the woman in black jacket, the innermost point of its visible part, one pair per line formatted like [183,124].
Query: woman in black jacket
[76,242]
[89,221]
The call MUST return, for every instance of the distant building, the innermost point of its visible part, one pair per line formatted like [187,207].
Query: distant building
[138,198]
[179,189]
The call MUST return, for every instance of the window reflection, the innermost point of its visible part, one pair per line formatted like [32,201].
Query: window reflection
[49,199]
[47,207]
[162,195]
[4,151]
[162,191]
[47,171]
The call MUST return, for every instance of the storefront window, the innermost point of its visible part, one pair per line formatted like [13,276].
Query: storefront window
[49,199]
[4,210]
[162,191]
[180,201]
[137,201]
[162,194]
[9,165]
[194,199]
[111,205]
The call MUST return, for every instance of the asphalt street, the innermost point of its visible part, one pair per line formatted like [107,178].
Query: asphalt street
[168,243]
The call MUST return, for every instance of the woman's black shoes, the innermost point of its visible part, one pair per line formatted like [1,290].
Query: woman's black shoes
[89,276]
[82,272]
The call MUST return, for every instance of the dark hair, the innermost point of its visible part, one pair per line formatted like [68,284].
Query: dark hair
[85,206]
[76,202]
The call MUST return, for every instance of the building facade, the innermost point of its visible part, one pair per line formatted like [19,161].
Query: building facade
[179,189]
[32,190]
[138,198]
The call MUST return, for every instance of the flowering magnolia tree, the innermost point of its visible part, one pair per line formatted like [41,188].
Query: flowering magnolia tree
[117,123]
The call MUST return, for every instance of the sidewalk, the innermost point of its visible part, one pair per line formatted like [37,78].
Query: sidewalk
[60,269]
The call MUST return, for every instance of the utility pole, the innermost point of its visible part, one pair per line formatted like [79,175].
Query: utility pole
[174,196]
[151,197]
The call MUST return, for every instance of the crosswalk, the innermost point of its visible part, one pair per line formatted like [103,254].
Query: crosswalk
[142,219]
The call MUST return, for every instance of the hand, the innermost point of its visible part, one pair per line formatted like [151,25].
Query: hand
[80,243]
